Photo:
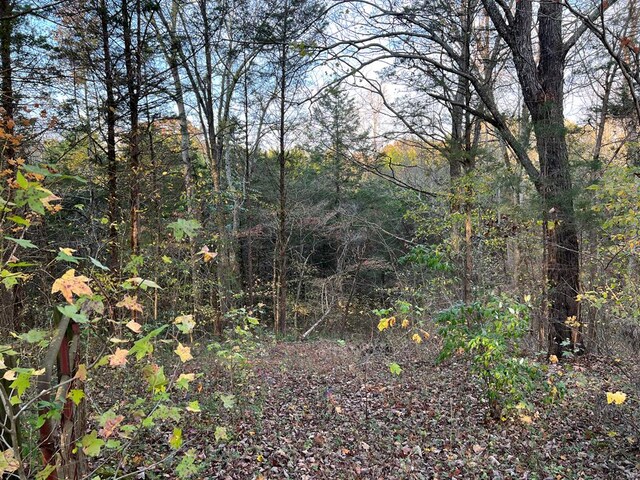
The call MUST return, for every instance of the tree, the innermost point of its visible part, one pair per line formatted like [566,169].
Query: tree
[288,31]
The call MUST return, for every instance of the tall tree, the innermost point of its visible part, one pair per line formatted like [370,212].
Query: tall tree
[288,32]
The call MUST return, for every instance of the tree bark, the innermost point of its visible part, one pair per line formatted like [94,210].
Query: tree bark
[112,164]
[543,93]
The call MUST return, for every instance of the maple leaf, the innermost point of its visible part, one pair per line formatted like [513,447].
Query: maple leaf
[184,379]
[417,338]
[617,398]
[134,326]
[91,444]
[130,303]
[184,353]
[76,396]
[185,323]
[119,358]
[8,462]
[220,433]
[395,368]
[68,284]
[383,324]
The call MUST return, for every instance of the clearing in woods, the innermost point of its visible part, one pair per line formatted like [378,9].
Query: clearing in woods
[327,410]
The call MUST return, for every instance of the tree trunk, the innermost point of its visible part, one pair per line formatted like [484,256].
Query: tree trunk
[132,60]
[543,93]
[112,165]
[280,270]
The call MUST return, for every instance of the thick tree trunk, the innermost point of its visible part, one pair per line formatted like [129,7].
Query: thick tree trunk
[542,90]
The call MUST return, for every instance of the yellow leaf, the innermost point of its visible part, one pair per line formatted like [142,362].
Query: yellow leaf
[405,323]
[617,398]
[68,284]
[553,359]
[207,255]
[417,338]
[134,326]
[68,251]
[392,321]
[183,352]
[130,303]
[526,419]
[119,358]
[8,462]
[383,324]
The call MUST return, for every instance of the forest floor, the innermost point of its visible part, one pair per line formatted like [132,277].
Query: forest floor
[333,410]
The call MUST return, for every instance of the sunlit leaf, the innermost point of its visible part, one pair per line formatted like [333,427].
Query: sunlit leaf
[183,352]
[69,285]
[617,398]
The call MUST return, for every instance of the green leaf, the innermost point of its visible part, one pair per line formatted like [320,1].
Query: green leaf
[194,407]
[76,396]
[65,257]
[71,311]
[395,368]
[175,440]
[91,444]
[22,242]
[19,220]
[44,474]
[182,227]
[143,347]
[221,434]
[34,336]
[21,181]
[187,467]
[98,264]
[228,401]
[20,384]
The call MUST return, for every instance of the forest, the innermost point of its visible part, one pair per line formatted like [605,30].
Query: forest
[319,239]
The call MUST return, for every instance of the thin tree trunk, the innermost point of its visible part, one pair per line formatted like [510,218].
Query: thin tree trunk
[112,165]
[280,277]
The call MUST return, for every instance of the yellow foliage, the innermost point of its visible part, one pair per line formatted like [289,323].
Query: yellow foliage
[417,338]
[383,324]
[617,398]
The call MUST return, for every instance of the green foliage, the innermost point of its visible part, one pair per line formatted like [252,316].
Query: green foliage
[427,256]
[182,228]
[488,333]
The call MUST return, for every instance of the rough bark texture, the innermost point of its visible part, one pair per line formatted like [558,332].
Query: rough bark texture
[542,89]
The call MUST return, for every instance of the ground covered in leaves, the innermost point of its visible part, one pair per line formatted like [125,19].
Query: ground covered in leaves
[330,410]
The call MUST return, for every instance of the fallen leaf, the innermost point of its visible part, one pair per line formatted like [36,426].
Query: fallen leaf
[119,358]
